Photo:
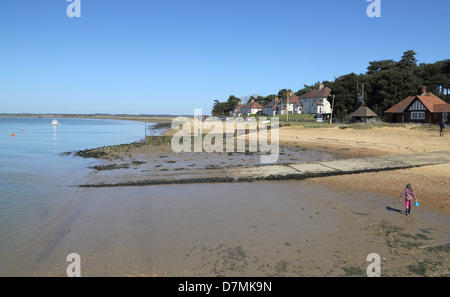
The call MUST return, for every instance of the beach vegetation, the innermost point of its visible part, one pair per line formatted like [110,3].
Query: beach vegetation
[353,271]
[423,267]
[427,128]
[158,140]
[281,266]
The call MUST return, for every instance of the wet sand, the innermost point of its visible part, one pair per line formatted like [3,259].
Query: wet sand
[159,162]
[316,227]
[282,228]
[431,183]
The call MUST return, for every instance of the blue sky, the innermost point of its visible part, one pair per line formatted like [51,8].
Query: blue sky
[172,56]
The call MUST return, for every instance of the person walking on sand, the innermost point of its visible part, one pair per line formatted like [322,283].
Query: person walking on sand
[442,126]
[408,193]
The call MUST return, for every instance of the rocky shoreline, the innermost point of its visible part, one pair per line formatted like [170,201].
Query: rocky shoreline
[106,152]
[153,162]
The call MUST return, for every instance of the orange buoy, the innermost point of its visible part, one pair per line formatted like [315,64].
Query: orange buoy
[12,134]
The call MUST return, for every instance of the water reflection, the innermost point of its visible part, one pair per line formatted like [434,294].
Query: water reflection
[54,138]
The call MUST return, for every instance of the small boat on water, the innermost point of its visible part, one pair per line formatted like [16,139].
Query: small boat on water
[55,123]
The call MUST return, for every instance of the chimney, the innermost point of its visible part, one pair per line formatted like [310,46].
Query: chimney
[422,90]
[321,86]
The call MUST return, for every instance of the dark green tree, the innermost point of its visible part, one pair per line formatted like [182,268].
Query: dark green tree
[436,77]
[224,108]
[377,66]
[345,90]
[282,93]
[408,60]
[265,100]
[305,90]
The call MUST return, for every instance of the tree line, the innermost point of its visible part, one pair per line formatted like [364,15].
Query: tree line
[386,82]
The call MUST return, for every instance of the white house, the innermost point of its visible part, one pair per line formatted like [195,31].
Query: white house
[316,101]
[278,107]
[236,111]
[251,108]
[294,105]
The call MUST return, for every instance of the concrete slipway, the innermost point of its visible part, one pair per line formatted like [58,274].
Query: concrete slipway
[290,171]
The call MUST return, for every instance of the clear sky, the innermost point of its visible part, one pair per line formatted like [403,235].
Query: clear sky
[172,56]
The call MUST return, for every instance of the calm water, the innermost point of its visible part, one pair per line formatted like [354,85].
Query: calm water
[36,180]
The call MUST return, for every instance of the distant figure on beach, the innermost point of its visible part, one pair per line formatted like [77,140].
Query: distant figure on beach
[442,126]
[408,193]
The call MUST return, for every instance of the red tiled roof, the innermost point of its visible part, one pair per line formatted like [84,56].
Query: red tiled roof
[401,106]
[441,108]
[292,99]
[431,102]
[254,105]
[318,93]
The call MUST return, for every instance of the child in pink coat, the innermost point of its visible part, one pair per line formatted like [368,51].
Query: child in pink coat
[408,193]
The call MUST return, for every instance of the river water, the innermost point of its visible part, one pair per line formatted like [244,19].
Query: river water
[36,179]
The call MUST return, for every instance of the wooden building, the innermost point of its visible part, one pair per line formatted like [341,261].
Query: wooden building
[424,108]
[364,115]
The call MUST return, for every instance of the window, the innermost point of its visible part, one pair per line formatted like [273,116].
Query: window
[444,116]
[418,115]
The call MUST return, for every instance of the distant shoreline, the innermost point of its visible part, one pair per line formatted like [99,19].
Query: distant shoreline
[159,119]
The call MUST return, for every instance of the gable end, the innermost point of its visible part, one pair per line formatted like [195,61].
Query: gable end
[417,105]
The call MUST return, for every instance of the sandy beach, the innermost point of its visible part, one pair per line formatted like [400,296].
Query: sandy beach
[431,183]
[315,227]
[299,144]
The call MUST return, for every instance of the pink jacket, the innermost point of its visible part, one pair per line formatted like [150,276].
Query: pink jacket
[408,194]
